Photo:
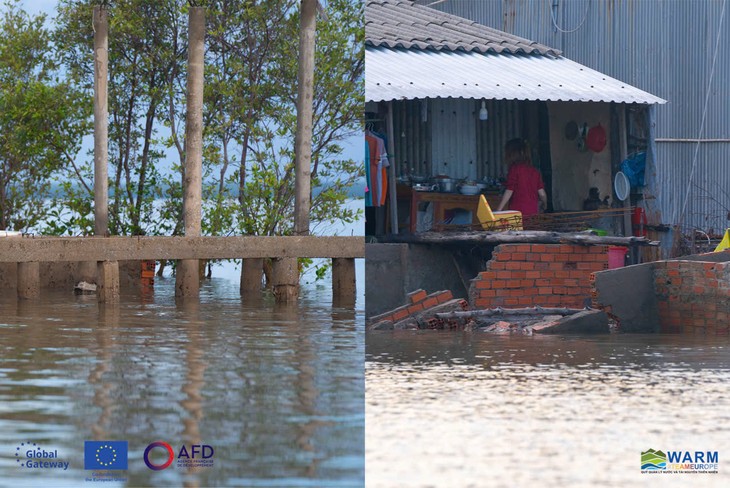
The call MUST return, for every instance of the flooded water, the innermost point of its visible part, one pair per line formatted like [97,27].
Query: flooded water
[474,409]
[276,391]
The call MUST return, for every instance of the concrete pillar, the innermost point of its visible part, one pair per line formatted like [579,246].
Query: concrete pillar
[101,121]
[305,96]
[285,279]
[187,282]
[29,280]
[107,285]
[343,281]
[251,272]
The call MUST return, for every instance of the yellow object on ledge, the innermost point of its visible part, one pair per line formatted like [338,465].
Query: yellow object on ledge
[496,221]
[724,243]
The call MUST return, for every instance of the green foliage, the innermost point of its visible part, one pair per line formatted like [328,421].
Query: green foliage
[42,120]
[249,114]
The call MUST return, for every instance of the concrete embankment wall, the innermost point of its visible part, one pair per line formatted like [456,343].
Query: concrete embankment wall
[548,275]
[687,295]
[392,271]
[65,275]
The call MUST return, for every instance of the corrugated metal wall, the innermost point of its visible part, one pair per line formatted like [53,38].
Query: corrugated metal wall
[665,48]
[446,133]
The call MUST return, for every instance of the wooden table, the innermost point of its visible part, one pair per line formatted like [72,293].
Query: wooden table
[442,202]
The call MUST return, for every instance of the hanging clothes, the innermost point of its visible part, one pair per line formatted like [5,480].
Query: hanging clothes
[368,193]
[377,161]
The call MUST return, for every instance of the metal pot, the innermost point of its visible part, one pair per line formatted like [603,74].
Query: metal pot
[446,185]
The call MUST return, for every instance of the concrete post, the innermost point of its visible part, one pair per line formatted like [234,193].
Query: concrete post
[101,121]
[343,281]
[29,280]
[107,286]
[187,280]
[305,95]
[251,272]
[285,278]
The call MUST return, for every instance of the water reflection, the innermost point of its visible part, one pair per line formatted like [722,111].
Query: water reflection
[540,411]
[276,391]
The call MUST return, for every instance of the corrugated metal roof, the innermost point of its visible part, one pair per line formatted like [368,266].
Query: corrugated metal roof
[403,24]
[398,74]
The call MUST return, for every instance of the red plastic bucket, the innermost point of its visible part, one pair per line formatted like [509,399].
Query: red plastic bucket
[617,257]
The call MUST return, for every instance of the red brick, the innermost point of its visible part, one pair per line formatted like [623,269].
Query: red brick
[518,256]
[487,275]
[504,256]
[512,284]
[417,296]
[504,275]
[516,292]
[547,257]
[709,266]
[527,266]
[539,248]
[522,248]
[502,292]
[400,315]
[532,256]
[518,275]
[556,266]
[699,290]
[545,290]
[527,283]
[525,301]
[483,303]
[532,274]
[511,301]
[415,308]
[430,302]
[445,296]
[487,294]
[512,265]
[483,284]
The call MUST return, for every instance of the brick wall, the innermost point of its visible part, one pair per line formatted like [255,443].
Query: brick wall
[524,275]
[421,312]
[693,297]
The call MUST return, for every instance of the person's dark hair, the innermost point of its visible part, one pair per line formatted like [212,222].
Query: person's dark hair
[516,150]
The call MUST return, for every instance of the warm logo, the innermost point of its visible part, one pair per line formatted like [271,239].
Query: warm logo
[679,462]
[168,460]
[30,455]
[109,455]
[653,460]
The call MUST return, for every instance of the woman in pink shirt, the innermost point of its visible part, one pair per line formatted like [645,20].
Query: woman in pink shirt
[524,183]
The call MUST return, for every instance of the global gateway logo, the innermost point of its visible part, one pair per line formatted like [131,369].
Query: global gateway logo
[679,461]
[195,455]
[30,455]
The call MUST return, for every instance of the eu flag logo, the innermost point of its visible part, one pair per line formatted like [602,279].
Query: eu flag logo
[105,454]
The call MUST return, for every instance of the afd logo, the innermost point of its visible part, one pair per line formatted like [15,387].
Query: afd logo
[195,455]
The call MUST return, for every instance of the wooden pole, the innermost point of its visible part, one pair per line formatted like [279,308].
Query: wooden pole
[101,121]
[305,97]
[391,175]
[187,278]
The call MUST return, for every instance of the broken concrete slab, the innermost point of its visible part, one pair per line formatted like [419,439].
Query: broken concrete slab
[587,322]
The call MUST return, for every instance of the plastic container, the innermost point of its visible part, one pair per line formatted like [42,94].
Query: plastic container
[617,257]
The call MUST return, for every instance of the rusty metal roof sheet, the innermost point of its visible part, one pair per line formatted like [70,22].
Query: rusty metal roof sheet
[403,24]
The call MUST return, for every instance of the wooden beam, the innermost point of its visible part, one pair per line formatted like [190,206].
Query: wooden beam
[44,249]
[517,237]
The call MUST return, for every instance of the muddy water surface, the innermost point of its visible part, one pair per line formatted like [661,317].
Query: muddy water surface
[472,409]
[276,391]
